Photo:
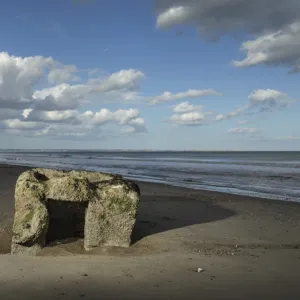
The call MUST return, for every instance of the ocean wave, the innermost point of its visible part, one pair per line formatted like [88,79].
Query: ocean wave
[260,175]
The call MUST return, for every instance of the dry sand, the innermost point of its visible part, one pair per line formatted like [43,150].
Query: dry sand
[249,248]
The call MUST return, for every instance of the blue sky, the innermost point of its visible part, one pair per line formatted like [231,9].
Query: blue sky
[120,56]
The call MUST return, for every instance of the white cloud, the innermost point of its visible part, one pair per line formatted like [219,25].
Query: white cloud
[93,72]
[260,101]
[238,111]
[20,75]
[280,47]
[174,15]
[137,122]
[26,112]
[124,79]
[17,78]
[259,96]
[185,107]
[128,130]
[242,130]
[62,131]
[63,74]
[67,116]
[129,96]
[53,111]
[68,124]
[60,97]
[270,98]
[87,119]
[242,122]
[188,114]
[168,96]
[190,118]
[121,116]
[118,86]
[88,113]
[275,25]
[227,16]
[17,124]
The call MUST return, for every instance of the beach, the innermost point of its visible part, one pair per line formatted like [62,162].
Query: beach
[247,248]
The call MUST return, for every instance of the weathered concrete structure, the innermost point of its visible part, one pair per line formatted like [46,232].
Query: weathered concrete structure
[52,204]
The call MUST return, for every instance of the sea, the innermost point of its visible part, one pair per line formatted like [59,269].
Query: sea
[271,175]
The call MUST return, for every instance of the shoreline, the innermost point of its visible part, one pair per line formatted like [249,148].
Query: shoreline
[204,191]
[249,248]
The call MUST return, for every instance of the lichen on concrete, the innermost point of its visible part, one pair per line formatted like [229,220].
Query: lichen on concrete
[110,216]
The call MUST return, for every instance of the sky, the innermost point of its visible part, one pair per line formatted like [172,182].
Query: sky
[160,75]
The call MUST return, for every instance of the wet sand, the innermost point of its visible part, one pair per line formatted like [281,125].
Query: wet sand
[249,248]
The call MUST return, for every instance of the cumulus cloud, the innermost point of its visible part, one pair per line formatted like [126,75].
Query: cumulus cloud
[130,117]
[185,107]
[190,118]
[20,75]
[124,79]
[117,86]
[26,112]
[138,124]
[120,116]
[67,116]
[260,101]
[134,97]
[63,74]
[242,122]
[221,16]
[269,99]
[60,97]
[17,78]
[238,111]
[17,124]
[71,123]
[276,48]
[188,114]
[128,130]
[65,132]
[56,132]
[53,111]
[244,130]
[168,96]
[273,23]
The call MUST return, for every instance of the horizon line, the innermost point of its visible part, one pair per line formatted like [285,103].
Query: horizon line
[140,150]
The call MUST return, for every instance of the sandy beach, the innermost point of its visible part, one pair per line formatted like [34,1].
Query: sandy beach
[248,248]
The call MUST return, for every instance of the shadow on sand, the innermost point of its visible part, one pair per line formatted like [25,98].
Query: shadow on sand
[156,214]
[174,213]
